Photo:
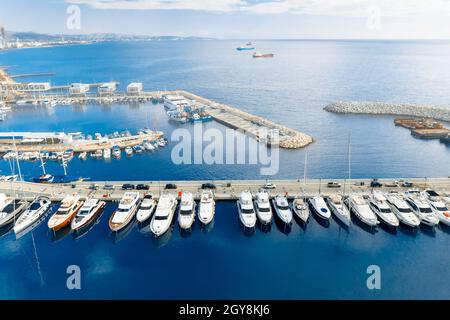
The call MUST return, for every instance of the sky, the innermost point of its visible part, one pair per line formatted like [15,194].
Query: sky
[234,19]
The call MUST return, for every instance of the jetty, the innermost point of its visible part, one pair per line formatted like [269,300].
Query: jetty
[425,128]
[441,113]
[224,189]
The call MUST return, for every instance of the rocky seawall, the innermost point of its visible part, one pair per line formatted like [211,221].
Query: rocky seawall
[398,109]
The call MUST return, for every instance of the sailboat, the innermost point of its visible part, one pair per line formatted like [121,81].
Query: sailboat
[300,205]
[45,177]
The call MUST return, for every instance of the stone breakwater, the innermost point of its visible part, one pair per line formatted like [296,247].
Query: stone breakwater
[252,124]
[397,109]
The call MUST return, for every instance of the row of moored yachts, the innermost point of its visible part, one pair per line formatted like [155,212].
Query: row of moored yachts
[411,208]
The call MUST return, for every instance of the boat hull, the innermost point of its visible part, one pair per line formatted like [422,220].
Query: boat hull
[89,219]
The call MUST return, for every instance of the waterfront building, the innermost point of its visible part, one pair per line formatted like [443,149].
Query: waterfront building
[135,88]
[107,88]
[79,89]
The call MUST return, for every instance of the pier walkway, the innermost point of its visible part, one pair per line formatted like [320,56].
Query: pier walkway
[225,189]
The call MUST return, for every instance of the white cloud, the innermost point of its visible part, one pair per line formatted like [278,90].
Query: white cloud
[394,8]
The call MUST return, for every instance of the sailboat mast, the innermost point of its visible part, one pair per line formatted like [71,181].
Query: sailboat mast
[304,173]
[17,159]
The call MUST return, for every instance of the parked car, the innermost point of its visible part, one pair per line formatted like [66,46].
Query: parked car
[128,186]
[407,184]
[376,184]
[108,187]
[142,187]
[269,185]
[333,184]
[170,186]
[94,186]
[208,186]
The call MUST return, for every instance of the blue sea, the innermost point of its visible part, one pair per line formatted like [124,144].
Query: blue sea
[225,262]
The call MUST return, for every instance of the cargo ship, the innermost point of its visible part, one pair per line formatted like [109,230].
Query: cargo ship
[263,55]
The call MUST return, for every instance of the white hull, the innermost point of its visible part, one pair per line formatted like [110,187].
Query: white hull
[30,219]
[247,219]
[340,212]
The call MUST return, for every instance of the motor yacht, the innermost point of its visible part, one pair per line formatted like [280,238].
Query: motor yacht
[282,209]
[11,211]
[116,152]
[162,219]
[82,156]
[33,216]
[89,212]
[246,210]
[146,209]
[263,208]
[319,207]
[337,207]
[128,151]
[69,207]
[441,210]
[362,211]
[402,210]
[107,153]
[126,211]
[207,207]
[301,209]
[421,208]
[381,208]
[186,212]
[148,146]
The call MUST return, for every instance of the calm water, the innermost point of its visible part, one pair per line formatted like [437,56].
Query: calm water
[226,263]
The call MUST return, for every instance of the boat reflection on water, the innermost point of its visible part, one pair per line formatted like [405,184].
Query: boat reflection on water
[56,236]
[207,228]
[123,233]
[6,229]
[164,239]
[186,233]
[79,233]
[265,228]
[285,228]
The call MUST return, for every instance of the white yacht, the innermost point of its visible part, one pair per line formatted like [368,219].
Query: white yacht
[146,209]
[431,195]
[362,211]
[246,210]
[441,210]
[125,212]
[320,208]
[128,151]
[186,213]
[148,146]
[116,152]
[301,209]
[107,153]
[32,216]
[337,207]
[263,208]
[421,208]
[162,219]
[88,213]
[207,206]
[379,205]
[82,156]
[402,210]
[282,209]
[12,211]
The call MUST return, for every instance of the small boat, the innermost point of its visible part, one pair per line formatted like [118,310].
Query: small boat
[263,208]
[337,207]
[44,178]
[70,206]
[11,211]
[97,154]
[162,219]
[247,47]
[186,213]
[246,210]
[88,213]
[148,146]
[402,210]
[263,55]
[107,153]
[301,209]
[146,209]
[116,152]
[9,178]
[207,207]
[124,214]
[282,209]
[161,143]
[83,156]
[32,216]
[138,149]
[441,210]
[381,208]
[129,151]
[362,211]
[319,207]
[68,154]
[421,208]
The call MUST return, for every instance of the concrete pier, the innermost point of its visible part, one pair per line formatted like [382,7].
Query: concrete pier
[225,189]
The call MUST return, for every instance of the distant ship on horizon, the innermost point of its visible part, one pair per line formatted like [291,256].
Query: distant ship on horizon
[263,55]
[248,46]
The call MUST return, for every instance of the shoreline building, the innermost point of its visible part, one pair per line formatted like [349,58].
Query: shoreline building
[79,89]
[3,43]
[135,88]
[107,88]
